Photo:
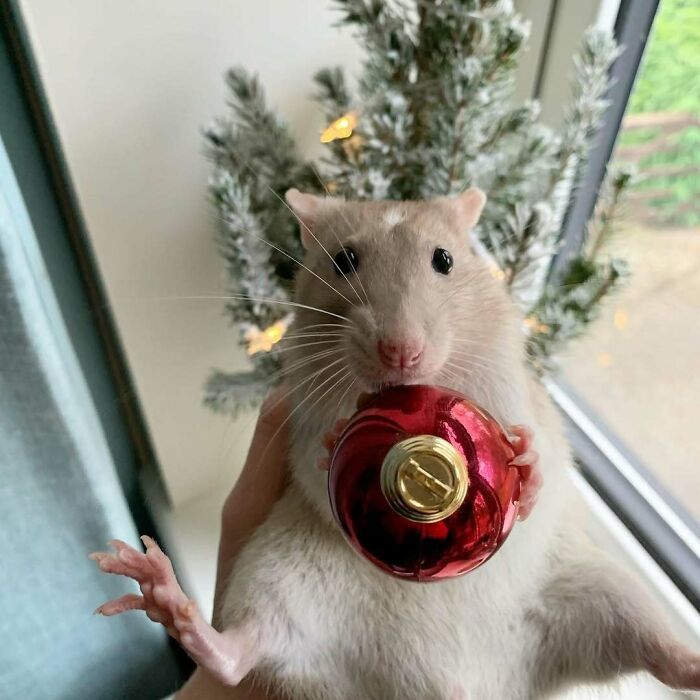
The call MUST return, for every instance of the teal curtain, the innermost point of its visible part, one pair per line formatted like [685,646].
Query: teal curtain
[60,499]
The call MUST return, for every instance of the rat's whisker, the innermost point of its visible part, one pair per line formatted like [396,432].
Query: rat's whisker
[297,261]
[471,341]
[335,384]
[473,355]
[449,374]
[337,238]
[451,295]
[321,334]
[344,394]
[473,361]
[246,297]
[313,235]
[307,360]
[299,384]
[298,346]
[469,367]
[344,326]
[302,402]
[458,368]
[268,300]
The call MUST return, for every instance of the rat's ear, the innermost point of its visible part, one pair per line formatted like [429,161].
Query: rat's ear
[306,208]
[467,207]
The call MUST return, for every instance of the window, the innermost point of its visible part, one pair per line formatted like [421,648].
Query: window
[633,382]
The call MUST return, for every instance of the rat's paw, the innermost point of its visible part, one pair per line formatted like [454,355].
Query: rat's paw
[224,655]
[526,461]
[161,596]
[329,440]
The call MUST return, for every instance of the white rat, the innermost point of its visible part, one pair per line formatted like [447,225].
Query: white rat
[392,294]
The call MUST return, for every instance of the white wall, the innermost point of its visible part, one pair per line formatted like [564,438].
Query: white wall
[130,83]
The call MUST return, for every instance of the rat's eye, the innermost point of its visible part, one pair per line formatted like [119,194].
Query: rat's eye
[346,261]
[442,261]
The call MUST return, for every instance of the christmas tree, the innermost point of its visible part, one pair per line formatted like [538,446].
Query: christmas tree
[432,115]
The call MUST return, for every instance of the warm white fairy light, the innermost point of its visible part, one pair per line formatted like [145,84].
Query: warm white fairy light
[534,325]
[605,359]
[263,340]
[620,319]
[341,128]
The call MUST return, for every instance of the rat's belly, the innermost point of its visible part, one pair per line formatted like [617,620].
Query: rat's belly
[333,626]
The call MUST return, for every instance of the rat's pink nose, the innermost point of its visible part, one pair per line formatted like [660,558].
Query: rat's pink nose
[405,353]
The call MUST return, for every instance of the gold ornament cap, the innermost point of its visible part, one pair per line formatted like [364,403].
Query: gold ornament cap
[424,478]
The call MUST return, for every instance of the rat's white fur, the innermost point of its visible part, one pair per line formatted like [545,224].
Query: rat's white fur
[543,612]
[393,216]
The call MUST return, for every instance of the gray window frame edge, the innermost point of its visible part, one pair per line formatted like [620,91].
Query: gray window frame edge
[637,498]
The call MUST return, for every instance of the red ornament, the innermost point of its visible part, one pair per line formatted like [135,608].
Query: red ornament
[421,485]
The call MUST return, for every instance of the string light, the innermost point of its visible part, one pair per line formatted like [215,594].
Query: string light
[605,359]
[264,340]
[620,319]
[534,325]
[341,128]
[497,272]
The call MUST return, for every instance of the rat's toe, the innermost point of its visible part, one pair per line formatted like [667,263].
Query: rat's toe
[525,459]
[130,601]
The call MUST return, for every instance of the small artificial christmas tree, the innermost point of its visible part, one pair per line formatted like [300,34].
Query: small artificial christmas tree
[433,115]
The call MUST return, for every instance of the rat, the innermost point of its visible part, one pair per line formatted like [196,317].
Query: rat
[392,293]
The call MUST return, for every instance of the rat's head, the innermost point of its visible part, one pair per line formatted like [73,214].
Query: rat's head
[401,297]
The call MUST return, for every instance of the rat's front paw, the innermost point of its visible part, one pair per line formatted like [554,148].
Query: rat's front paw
[329,440]
[225,655]
[161,596]
[526,461]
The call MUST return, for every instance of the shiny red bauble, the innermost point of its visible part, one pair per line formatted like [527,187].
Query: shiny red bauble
[421,485]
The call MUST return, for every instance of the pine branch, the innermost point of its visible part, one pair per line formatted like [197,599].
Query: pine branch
[583,118]
[233,393]
[565,310]
[332,92]
[612,193]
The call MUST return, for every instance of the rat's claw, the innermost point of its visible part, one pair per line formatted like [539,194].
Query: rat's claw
[526,462]
[130,601]
[520,437]
[525,459]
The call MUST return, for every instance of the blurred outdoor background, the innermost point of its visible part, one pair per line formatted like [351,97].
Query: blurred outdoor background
[638,367]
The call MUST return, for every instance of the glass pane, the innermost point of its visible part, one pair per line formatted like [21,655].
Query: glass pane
[639,366]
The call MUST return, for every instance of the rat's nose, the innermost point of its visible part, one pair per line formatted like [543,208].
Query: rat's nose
[404,353]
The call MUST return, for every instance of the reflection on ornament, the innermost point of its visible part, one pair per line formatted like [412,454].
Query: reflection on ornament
[340,129]
[263,340]
[605,359]
[620,319]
